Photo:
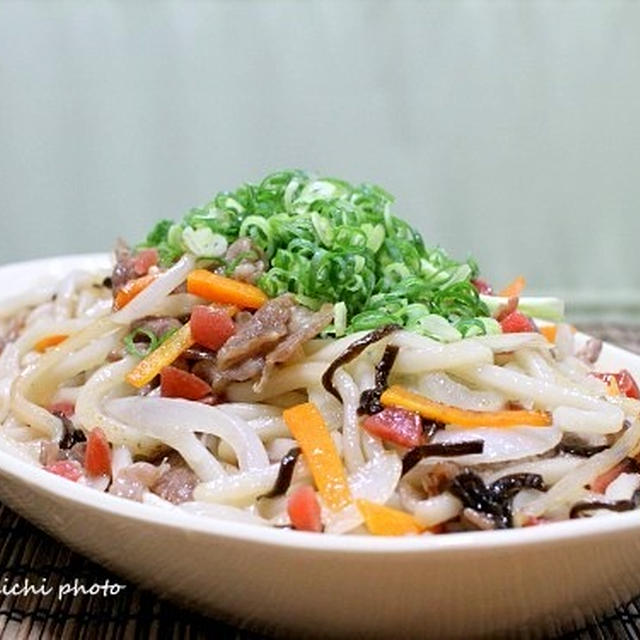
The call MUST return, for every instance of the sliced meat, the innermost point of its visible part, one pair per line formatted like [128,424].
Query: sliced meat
[396,425]
[124,268]
[267,327]
[132,481]
[245,261]
[176,485]
[218,378]
[303,326]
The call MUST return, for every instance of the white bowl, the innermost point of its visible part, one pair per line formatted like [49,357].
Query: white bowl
[291,583]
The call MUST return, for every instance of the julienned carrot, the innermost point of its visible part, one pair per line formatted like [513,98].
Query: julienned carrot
[308,428]
[131,289]
[384,521]
[397,396]
[514,288]
[216,288]
[549,332]
[148,368]
[49,341]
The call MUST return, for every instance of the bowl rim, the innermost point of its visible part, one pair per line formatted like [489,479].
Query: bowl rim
[548,534]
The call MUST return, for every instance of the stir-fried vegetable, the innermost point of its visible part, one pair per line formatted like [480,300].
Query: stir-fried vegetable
[329,241]
[308,428]
[396,396]
[162,357]
[216,288]
[167,352]
[131,289]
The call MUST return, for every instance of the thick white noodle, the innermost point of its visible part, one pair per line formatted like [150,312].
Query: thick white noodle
[145,302]
[565,489]
[348,391]
[90,413]
[177,305]
[35,297]
[168,419]
[327,405]
[279,447]
[46,327]
[436,510]
[65,295]
[249,410]
[501,444]
[579,420]
[375,481]
[86,359]
[329,350]
[297,376]
[535,365]
[508,342]
[35,386]
[551,469]
[239,489]
[517,385]
[443,357]
[440,387]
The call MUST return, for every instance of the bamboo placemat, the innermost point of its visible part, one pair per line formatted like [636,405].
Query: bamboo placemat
[27,553]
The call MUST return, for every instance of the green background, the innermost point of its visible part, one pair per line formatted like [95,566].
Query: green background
[507,130]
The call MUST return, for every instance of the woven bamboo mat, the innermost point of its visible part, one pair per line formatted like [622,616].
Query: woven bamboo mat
[28,554]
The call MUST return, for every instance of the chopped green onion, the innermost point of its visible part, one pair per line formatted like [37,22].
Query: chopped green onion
[204,243]
[329,241]
[544,308]
[340,318]
[132,347]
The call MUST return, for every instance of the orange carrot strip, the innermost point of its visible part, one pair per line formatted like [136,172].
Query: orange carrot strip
[49,341]
[397,396]
[148,368]
[217,288]
[384,521]
[308,428]
[514,288]
[549,331]
[130,290]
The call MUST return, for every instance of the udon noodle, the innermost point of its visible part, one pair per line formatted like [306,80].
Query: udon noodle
[238,453]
